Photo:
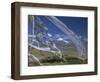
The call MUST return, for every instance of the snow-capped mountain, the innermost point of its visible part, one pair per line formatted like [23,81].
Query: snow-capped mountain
[61,39]
[50,35]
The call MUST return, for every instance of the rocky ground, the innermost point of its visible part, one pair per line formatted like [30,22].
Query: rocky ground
[70,56]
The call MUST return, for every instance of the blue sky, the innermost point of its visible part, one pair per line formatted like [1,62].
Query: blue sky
[77,24]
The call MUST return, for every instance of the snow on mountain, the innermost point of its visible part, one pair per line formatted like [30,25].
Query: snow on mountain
[66,41]
[49,35]
[65,37]
[61,39]
[56,36]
